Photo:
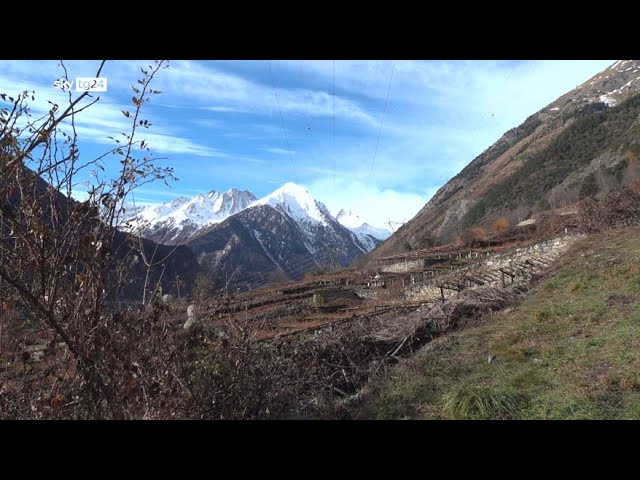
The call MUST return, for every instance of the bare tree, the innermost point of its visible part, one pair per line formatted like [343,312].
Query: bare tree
[64,260]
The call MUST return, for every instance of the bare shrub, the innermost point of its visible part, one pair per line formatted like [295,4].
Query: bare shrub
[215,370]
[62,260]
[473,237]
[618,208]
[500,225]
[339,360]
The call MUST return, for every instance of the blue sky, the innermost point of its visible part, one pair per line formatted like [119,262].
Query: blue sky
[220,123]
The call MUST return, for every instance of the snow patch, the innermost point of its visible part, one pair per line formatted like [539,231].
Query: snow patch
[259,239]
[627,84]
[364,233]
[199,211]
[309,247]
[608,100]
[357,225]
[296,202]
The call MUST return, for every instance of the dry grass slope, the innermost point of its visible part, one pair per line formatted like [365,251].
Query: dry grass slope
[569,351]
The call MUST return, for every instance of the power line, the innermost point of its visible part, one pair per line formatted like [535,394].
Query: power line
[334,126]
[280,110]
[382,120]
[307,96]
[307,115]
[498,129]
[484,118]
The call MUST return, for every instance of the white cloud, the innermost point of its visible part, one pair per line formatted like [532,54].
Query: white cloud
[103,119]
[374,205]
[279,151]
[178,145]
[204,84]
[367,78]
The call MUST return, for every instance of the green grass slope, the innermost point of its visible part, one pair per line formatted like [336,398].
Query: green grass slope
[570,350]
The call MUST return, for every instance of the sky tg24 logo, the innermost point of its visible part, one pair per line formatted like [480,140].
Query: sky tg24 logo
[82,84]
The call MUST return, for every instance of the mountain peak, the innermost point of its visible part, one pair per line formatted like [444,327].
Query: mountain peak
[349,219]
[293,188]
[297,202]
[357,225]
[177,202]
[165,222]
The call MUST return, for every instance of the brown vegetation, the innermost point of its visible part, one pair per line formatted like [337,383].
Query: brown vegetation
[500,224]
[65,263]
[617,208]
[473,237]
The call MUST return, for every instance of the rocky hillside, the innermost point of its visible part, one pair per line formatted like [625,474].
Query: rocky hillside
[584,143]
[179,265]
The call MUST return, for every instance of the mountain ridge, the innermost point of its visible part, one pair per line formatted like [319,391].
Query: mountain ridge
[578,145]
[287,231]
[181,219]
[184,218]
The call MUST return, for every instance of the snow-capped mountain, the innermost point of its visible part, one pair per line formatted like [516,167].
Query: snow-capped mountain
[368,235]
[242,240]
[297,203]
[287,231]
[180,220]
[294,201]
